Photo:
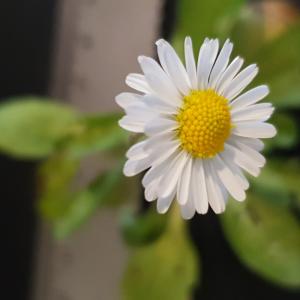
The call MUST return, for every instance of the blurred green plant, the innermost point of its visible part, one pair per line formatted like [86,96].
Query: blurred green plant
[265,236]
[36,128]
[143,228]
[160,271]
[31,128]
[263,232]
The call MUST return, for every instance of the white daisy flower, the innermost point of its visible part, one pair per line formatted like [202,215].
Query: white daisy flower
[201,132]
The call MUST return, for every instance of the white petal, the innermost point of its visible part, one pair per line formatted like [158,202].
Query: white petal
[223,190]
[160,125]
[137,151]
[140,112]
[228,179]
[160,166]
[241,160]
[141,160]
[163,203]
[159,82]
[159,151]
[158,105]
[157,140]
[138,82]
[206,61]
[199,190]
[184,182]
[151,190]
[190,62]
[256,112]
[250,97]
[255,144]
[227,76]
[240,82]
[173,66]
[131,124]
[254,129]
[171,177]
[221,64]
[215,195]
[133,167]
[126,99]
[252,154]
[235,170]
[203,56]
[187,210]
[163,91]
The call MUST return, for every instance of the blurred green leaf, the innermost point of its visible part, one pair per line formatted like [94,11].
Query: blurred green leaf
[200,19]
[266,237]
[142,229]
[166,269]
[95,133]
[278,58]
[279,61]
[287,173]
[55,177]
[84,203]
[248,30]
[278,183]
[287,132]
[285,47]
[31,127]
[271,188]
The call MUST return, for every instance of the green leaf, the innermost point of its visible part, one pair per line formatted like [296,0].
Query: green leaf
[84,203]
[266,238]
[285,90]
[166,269]
[287,173]
[94,134]
[248,29]
[206,18]
[31,128]
[142,229]
[55,177]
[277,58]
[278,184]
[284,47]
[287,132]
[270,187]
[279,62]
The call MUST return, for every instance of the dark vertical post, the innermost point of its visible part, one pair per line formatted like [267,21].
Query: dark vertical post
[25,33]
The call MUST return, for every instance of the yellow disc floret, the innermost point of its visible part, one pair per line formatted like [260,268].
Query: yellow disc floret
[204,123]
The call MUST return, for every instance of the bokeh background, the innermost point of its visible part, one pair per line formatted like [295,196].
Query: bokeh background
[77,54]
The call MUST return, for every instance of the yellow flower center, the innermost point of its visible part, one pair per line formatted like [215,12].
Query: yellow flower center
[204,123]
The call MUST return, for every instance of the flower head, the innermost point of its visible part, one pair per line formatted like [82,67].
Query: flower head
[201,131]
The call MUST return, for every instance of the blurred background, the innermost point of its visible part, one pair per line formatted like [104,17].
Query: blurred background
[77,54]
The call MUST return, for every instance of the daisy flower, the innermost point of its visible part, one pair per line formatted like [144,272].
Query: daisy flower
[201,130]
